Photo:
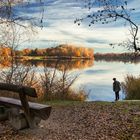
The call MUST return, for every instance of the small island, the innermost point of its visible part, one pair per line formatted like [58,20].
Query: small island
[63,51]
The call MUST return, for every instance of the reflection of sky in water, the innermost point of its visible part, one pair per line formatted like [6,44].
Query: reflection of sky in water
[98,78]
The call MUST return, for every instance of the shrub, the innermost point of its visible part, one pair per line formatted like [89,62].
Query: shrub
[131,87]
[71,95]
[57,85]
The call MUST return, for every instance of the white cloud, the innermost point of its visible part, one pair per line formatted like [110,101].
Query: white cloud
[73,33]
[59,26]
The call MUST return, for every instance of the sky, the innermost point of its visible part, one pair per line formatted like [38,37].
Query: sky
[59,28]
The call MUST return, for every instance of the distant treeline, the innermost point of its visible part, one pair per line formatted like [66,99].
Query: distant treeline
[124,57]
[59,51]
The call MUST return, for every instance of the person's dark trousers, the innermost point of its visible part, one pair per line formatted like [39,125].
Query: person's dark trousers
[117,95]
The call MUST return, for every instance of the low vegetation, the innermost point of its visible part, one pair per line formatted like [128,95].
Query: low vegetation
[52,84]
[131,87]
[56,84]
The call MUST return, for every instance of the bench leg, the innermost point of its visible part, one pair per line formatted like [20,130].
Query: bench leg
[37,120]
[26,109]
[17,119]
[3,113]
[33,121]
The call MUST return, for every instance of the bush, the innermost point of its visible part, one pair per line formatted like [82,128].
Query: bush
[71,95]
[57,85]
[131,87]
[51,85]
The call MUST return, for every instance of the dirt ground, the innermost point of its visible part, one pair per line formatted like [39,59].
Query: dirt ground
[85,121]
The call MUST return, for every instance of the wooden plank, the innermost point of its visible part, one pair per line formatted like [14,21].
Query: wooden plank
[25,106]
[39,110]
[17,88]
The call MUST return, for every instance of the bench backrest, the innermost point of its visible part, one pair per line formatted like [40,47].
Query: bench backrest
[19,89]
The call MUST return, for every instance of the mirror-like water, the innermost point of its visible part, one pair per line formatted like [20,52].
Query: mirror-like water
[98,78]
[94,76]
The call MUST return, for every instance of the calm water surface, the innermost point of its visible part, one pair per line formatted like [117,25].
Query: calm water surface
[97,79]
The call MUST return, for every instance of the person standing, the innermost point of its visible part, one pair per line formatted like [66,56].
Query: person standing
[116,88]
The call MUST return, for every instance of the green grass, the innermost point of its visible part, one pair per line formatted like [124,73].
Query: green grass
[36,57]
[101,102]
[71,103]
[62,103]
[130,102]
[118,104]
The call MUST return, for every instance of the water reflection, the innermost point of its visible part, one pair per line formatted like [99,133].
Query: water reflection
[95,76]
[61,64]
[98,79]
[113,57]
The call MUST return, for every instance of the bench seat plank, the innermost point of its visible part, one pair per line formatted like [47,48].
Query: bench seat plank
[40,110]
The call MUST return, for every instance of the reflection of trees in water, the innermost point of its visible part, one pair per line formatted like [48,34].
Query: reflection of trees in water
[61,64]
[135,61]
[113,57]
[50,84]
[19,75]
[71,64]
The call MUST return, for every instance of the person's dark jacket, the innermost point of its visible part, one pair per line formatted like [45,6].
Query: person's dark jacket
[116,86]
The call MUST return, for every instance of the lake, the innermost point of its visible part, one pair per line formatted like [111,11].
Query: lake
[98,78]
[95,77]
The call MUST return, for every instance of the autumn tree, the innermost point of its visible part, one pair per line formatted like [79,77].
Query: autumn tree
[107,11]
[15,28]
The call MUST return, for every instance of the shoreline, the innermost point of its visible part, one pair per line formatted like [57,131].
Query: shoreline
[27,58]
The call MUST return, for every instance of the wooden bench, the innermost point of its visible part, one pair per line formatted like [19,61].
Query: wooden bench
[21,113]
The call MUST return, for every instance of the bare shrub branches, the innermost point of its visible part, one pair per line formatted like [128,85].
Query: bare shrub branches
[107,11]
[16,28]
[57,84]
[8,12]
[19,75]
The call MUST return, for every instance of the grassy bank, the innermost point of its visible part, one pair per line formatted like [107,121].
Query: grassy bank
[50,57]
[63,103]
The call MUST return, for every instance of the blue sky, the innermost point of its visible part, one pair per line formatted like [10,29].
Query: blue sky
[59,27]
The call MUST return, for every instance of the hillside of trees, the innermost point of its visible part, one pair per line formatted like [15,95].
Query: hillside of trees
[61,51]
[58,52]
